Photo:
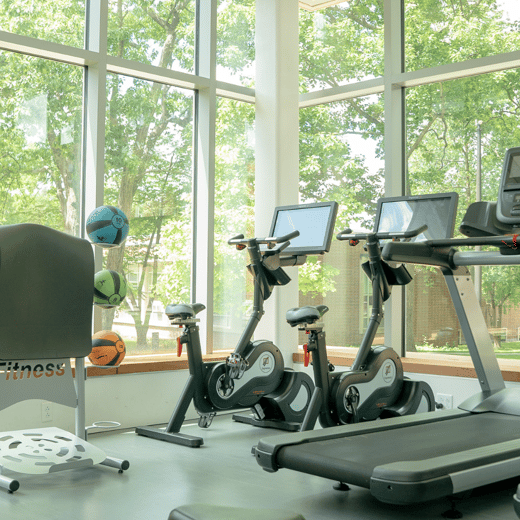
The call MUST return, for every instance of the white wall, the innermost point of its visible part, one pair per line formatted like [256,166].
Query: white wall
[149,398]
[130,399]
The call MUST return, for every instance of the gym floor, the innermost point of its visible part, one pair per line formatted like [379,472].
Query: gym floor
[163,476]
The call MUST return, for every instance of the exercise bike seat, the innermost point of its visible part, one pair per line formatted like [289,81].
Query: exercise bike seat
[183,310]
[307,314]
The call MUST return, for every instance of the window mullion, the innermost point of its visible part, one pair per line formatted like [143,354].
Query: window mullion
[204,174]
[395,162]
[94,120]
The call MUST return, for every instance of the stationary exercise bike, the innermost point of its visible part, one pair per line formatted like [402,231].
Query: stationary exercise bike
[253,376]
[374,387]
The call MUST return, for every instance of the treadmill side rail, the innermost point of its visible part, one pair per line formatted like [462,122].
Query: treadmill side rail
[409,482]
[405,493]
[266,459]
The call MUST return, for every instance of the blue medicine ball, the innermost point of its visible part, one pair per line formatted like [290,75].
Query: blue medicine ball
[107,226]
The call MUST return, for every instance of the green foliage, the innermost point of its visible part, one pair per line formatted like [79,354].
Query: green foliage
[158,32]
[500,287]
[330,43]
[59,21]
[317,277]
[234,204]
[236,38]
[443,118]
[334,160]
[173,284]
[40,141]
[330,169]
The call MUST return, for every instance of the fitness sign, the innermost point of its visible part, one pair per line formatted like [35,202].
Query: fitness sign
[49,379]
[16,371]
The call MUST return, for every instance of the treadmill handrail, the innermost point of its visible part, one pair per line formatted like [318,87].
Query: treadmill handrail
[497,241]
[441,253]
[418,253]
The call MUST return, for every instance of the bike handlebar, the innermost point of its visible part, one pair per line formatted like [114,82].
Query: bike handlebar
[237,239]
[270,241]
[347,234]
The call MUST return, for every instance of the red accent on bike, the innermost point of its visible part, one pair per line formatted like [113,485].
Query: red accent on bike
[179,347]
[353,242]
[240,247]
[306,356]
[515,245]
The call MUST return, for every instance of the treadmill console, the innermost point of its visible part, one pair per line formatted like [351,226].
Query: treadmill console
[508,205]
[437,211]
[315,222]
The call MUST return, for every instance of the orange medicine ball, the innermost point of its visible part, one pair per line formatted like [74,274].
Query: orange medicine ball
[108,349]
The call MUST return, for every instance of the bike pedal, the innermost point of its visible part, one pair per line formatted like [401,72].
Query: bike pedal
[236,365]
[206,420]
[258,412]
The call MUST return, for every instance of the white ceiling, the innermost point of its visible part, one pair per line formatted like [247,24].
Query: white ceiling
[314,5]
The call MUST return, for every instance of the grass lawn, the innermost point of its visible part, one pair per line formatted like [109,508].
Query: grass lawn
[508,350]
[165,346]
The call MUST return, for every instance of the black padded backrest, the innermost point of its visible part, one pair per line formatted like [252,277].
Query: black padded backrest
[46,293]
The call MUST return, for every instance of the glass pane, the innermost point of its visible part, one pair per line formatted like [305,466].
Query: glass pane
[149,176]
[451,127]
[40,142]
[59,22]
[345,166]
[157,32]
[234,214]
[439,33]
[330,40]
[236,42]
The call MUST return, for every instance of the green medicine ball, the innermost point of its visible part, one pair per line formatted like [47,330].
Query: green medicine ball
[109,289]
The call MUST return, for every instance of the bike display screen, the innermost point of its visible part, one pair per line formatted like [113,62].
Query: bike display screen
[508,204]
[398,214]
[315,222]
[513,172]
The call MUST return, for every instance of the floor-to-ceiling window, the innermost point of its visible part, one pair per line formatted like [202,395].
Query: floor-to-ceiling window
[234,215]
[148,174]
[100,105]
[101,102]
[449,71]
[458,129]
[341,154]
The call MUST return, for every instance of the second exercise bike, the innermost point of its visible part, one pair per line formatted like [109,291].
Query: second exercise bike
[374,387]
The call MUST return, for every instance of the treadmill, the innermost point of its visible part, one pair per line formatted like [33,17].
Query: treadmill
[422,457]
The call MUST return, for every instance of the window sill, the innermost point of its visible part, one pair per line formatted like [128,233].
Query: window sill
[151,363]
[436,364]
